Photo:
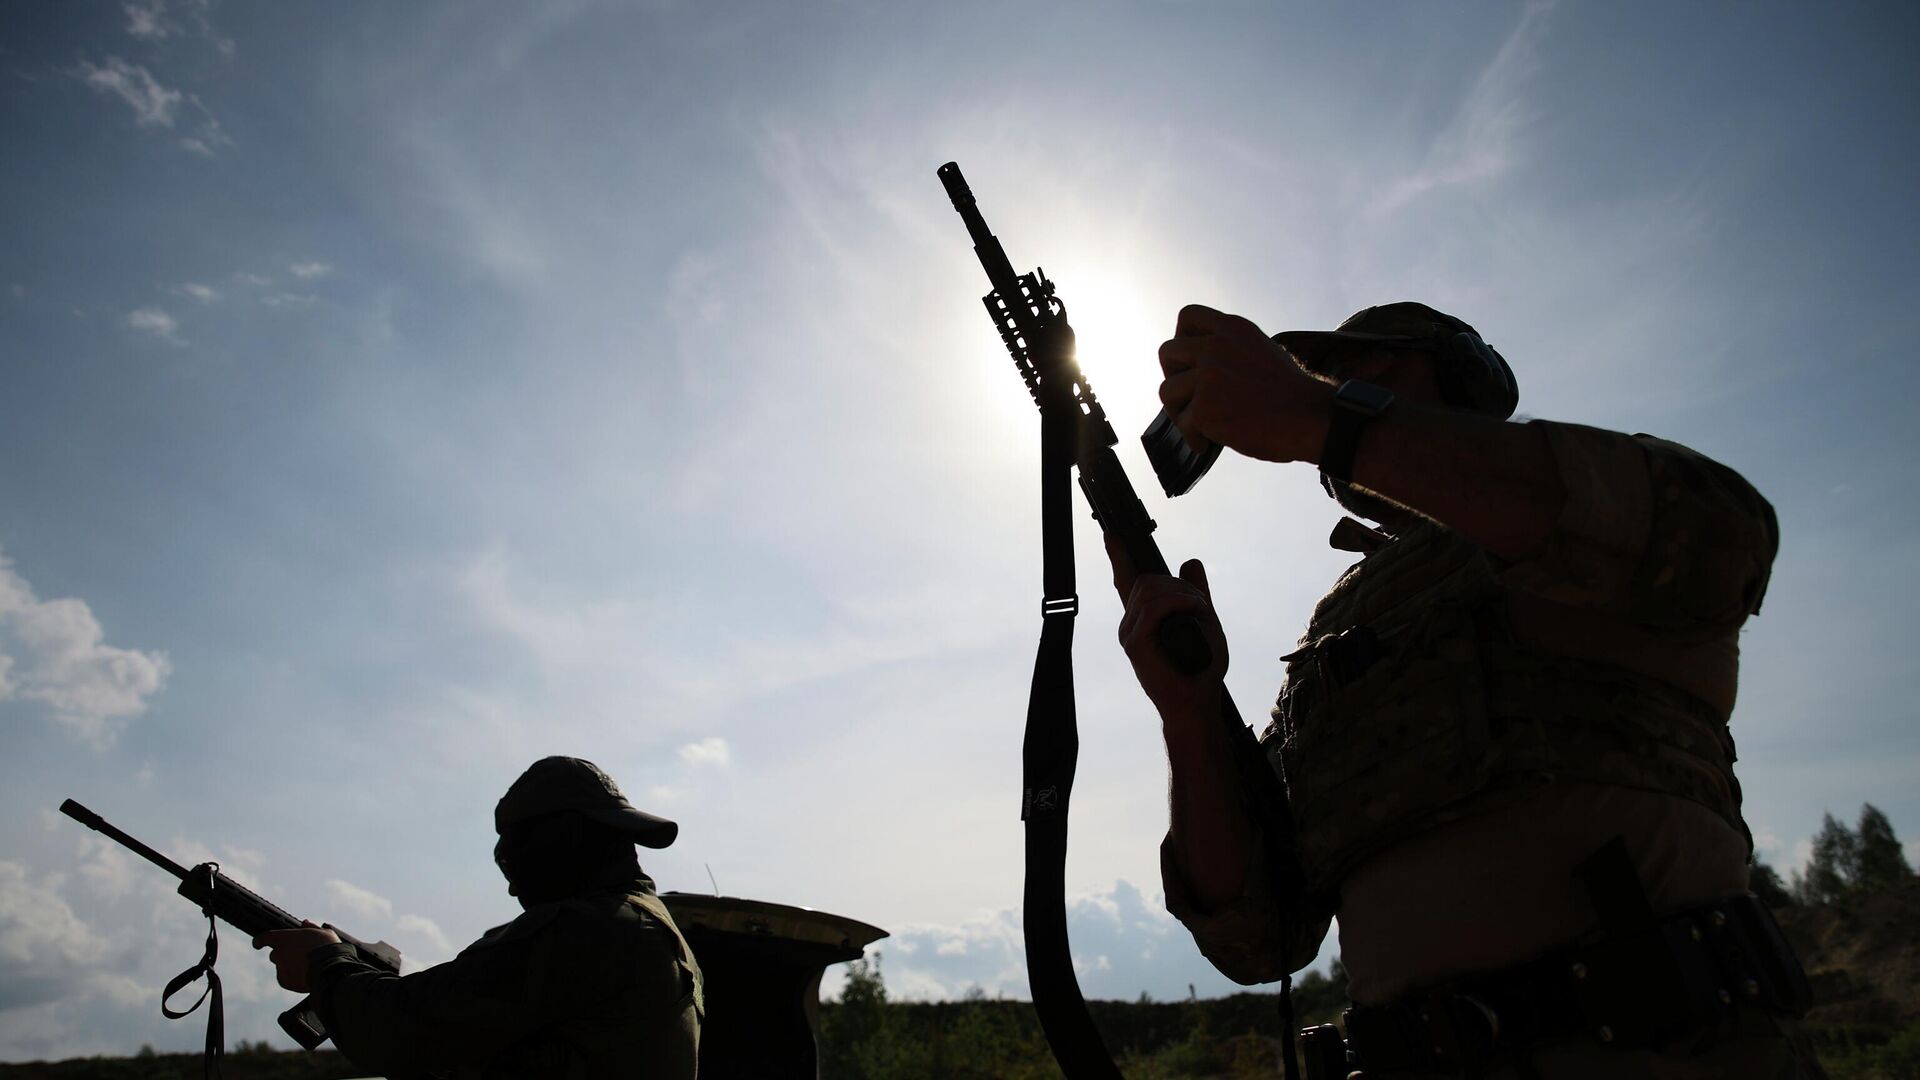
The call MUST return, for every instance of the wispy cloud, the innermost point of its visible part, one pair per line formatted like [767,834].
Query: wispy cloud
[53,651]
[357,900]
[153,105]
[146,21]
[206,294]
[1477,145]
[155,321]
[307,271]
[709,751]
[209,136]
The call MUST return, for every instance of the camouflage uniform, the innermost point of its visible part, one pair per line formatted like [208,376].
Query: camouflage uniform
[1457,732]
[598,985]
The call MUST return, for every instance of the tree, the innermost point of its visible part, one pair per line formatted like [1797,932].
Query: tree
[860,1037]
[1879,861]
[1835,864]
[1764,882]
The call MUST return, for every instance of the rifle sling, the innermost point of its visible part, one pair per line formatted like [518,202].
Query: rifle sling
[216,1044]
[1048,758]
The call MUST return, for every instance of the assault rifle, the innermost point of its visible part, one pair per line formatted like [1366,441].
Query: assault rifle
[1074,433]
[221,897]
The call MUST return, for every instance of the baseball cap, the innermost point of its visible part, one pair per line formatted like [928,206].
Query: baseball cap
[553,784]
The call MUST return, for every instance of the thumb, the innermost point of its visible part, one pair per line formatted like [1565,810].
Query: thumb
[1191,571]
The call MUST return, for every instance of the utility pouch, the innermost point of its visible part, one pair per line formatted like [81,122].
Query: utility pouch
[1323,1052]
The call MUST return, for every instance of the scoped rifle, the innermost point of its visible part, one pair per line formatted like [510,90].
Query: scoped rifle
[1074,432]
[221,897]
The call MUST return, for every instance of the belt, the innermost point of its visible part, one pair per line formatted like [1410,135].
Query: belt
[1679,974]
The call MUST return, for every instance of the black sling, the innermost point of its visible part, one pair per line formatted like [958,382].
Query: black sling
[1074,431]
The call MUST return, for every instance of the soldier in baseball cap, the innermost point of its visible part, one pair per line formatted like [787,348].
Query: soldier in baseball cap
[593,979]
[554,784]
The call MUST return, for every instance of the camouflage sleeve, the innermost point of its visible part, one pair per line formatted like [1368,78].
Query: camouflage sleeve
[1653,532]
[464,1011]
[1253,939]
[501,999]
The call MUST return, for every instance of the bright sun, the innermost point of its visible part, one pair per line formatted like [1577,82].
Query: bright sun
[1119,333]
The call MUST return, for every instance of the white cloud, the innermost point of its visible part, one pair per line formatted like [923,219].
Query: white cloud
[55,653]
[42,941]
[369,916]
[144,21]
[359,901]
[153,104]
[1123,941]
[152,320]
[203,293]
[308,270]
[414,928]
[108,868]
[709,751]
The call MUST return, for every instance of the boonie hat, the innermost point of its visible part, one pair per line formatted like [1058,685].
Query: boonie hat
[1472,375]
[553,784]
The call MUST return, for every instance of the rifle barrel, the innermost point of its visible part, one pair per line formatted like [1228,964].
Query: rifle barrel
[99,824]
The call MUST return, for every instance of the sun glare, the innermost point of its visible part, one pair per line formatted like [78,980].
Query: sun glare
[1119,331]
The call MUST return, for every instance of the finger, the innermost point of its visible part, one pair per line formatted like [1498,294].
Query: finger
[260,940]
[310,922]
[1196,319]
[1177,389]
[1181,353]
[1154,597]
[1192,571]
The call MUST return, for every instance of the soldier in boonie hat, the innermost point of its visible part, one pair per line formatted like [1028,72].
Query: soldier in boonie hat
[554,784]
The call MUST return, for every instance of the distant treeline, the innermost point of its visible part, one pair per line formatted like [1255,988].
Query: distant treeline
[246,1061]
[1853,912]
[863,1036]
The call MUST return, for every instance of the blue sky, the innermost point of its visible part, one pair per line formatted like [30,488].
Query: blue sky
[390,396]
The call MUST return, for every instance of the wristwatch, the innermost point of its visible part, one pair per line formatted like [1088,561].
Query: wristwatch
[1355,405]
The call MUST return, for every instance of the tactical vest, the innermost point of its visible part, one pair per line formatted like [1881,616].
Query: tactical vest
[1410,704]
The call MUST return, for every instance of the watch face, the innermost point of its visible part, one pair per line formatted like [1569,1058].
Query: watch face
[1363,397]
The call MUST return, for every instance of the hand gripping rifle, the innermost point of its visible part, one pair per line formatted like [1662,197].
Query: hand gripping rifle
[1074,431]
[221,897]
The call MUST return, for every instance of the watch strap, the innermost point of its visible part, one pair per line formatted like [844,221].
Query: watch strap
[1355,405]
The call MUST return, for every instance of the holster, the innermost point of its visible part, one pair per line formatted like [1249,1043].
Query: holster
[1643,982]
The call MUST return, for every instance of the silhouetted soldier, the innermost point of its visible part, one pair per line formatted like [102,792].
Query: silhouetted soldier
[1503,735]
[593,980]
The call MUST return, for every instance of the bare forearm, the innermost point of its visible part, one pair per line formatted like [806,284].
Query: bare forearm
[1212,833]
[1491,481]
